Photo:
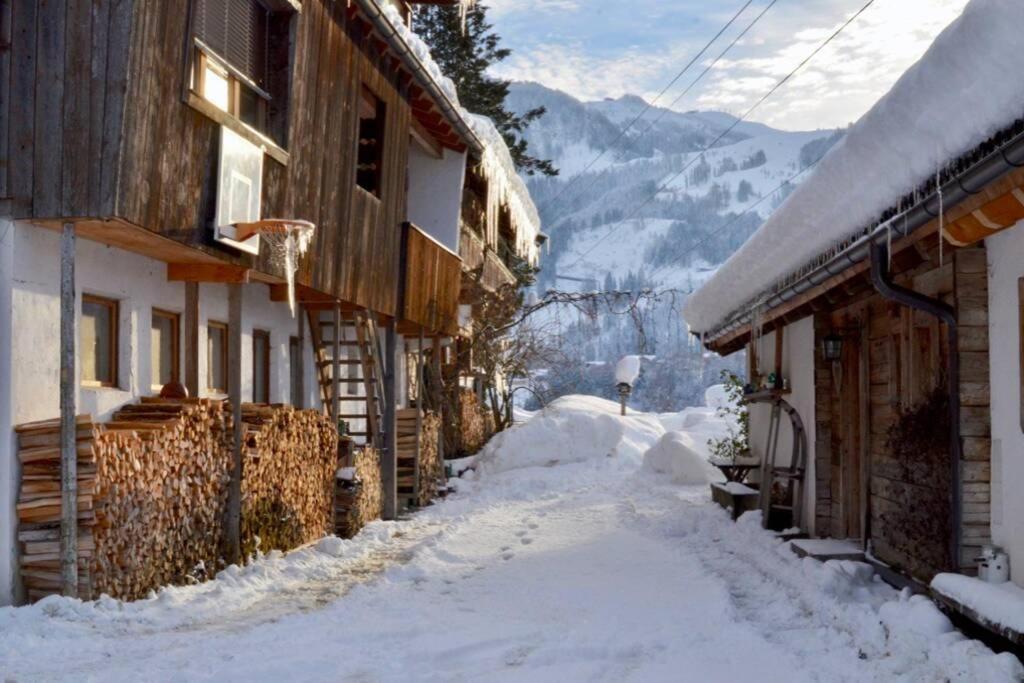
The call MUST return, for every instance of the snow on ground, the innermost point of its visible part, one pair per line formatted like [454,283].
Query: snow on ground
[559,559]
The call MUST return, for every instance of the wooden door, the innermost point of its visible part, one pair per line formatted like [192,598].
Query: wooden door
[850,432]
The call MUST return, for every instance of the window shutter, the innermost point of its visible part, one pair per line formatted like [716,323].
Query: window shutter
[237,31]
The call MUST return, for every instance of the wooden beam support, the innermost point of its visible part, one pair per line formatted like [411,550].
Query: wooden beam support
[389,458]
[300,371]
[192,345]
[336,366]
[208,272]
[68,389]
[233,519]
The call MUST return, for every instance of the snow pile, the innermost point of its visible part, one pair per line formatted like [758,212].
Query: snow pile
[571,429]
[892,150]
[717,397]
[627,370]
[420,49]
[676,455]
[1000,603]
[507,187]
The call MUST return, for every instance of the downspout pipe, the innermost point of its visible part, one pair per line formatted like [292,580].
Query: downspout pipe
[881,279]
[972,181]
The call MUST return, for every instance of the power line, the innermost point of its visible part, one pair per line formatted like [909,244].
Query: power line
[704,73]
[648,106]
[728,224]
[728,130]
[631,144]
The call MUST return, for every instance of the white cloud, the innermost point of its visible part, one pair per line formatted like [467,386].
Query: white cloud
[589,58]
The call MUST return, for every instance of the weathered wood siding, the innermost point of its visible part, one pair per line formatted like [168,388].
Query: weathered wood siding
[99,127]
[432,282]
[900,356]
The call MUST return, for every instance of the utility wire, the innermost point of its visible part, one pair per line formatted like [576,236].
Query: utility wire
[728,130]
[647,106]
[704,73]
[678,258]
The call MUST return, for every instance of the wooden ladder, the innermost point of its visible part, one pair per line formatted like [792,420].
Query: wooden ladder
[334,332]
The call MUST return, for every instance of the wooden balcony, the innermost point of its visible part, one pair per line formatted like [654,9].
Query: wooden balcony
[432,276]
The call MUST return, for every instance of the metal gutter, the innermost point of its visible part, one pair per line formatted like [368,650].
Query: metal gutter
[972,181]
[882,281]
[397,43]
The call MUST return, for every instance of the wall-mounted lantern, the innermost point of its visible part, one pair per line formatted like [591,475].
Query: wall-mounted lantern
[832,348]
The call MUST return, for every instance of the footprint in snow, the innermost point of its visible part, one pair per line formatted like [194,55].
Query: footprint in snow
[508,556]
[526,541]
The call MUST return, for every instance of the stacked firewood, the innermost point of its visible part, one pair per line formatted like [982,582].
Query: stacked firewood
[359,497]
[288,477]
[152,487]
[431,467]
[476,424]
[152,492]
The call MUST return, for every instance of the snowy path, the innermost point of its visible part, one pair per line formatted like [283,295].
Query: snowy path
[586,571]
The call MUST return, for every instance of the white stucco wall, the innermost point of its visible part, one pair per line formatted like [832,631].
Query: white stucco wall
[1006,267]
[8,463]
[798,368]
[29,373]
[435,194]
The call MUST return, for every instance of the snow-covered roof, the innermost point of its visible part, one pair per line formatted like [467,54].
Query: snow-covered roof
[506,186]
[966,88]
[497,165]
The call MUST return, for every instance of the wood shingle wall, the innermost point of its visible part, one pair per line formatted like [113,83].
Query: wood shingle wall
[99,126]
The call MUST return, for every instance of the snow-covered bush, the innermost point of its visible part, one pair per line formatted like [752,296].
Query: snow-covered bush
[676,455]
[736,443]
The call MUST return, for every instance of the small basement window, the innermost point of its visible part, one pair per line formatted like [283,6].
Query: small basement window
[98,341]
[163,348]
[217,357]
[371,142]
[260,366]
[242,61]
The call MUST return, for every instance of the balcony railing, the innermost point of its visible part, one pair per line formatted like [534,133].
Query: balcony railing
[432,280]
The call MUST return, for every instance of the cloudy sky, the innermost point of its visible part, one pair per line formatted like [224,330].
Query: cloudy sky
[606,48]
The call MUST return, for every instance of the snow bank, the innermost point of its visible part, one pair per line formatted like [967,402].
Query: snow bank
[627,370]
[892,150]
[569,430]
[717,397]
[676,456]
[1001,603]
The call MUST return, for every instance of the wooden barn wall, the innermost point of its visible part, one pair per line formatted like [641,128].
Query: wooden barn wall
[61,119]
[101,130]
[896,357]
[432,284]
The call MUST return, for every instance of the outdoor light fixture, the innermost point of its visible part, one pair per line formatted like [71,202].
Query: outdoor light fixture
[832,347]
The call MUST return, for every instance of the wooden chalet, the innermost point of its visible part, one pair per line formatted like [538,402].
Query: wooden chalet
[885,372]
[140,137]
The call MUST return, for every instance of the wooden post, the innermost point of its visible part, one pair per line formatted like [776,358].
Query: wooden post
[300,371]
[233,530]
[438,387]
[389,458]
[336,368]
[419,421]
[192,338]
[68,450]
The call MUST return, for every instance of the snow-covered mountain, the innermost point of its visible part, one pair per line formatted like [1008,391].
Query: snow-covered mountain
[647,209]
[603,221]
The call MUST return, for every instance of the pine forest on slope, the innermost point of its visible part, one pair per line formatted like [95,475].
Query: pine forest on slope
[608,234]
